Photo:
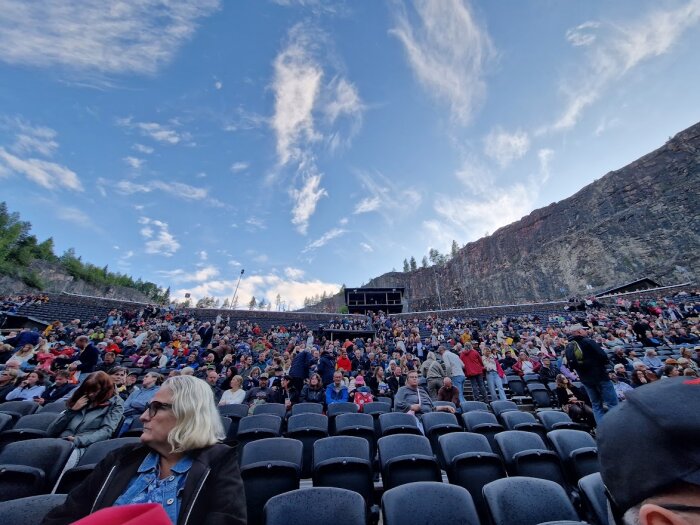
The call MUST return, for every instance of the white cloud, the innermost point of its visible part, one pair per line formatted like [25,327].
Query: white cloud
[616,50]
[30,139]
[166,134]
[176,189]
[366,247]
[256,223]
[234,262]
[296,84]
[199,275]
[583,34]
[294,273]
[343,221]
[239,166]
[305,201]
[133,162]
[261,258]
[606,124]
[245,120]
[368,204]
[147,150]
[504,147]
[203,255]
[324,239]
[159,240]
[49,175]
[116,38]
[545,157]
[218,85]
[385,196]
[448,51]
[345,100]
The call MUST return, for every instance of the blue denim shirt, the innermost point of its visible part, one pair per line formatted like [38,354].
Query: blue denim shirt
[147,488]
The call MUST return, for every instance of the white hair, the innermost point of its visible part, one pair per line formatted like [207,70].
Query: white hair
[198,420]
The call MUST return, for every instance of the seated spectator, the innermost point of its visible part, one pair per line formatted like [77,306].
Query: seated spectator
[93,413]
[252,380]
[548,371]
[363,394]
[178,464]
[414,399]
[32,386]
[343,362]
[337,392]
[571,401]
[23,355]
[508,361]
[396,380]
[118,375]
[8,382]
[285,393]
[235,394]
[107,362]
[6,352]
[313,392]
[642,376]
[260,394]
[131,380]
[378,385]
[651,360]
[669,370]
[619,358]
[212,378]
[525,365]
[136,403]
[448,392]
[621,388]
[60,389]
[85,360]
[621,373]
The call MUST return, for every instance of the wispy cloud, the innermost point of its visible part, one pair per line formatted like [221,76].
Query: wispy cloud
[147,150]
[166,134]
[324,239]
[159,240]
[545,156]
[366,247]
[49,175]
[203,255]
[31,139]
[122,37]
[617,49]
[239,166]
[385,196]
[256,223]
[181,276]
[504,147]
[294,273]
[305,200]
[448,51]
[368,204]
[133,162]
[583,34]
[176,189]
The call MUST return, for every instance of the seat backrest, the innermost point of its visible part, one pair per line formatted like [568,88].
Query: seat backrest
[514,417]
[471,419]
[301,422]
[31,510]
[276,409]
[21,407]
[343,421]
[499,407]
[236,410]
[550,418]
[428,502]
[376,407]
[5,421]
[456,443]
[262,421]
[402,445]
[339,447]
[55,407]
[471,406]
[593,491]
[513,500]
[47,454]
[301,507]
[531,377]
[307,408]
[388,400]
[565,441]
[97,451]
[391,419]
[35,421]
[273,449]
[510,442]
[433,419]
[341,408]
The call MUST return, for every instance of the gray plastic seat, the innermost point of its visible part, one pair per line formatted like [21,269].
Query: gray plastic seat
[484,423]
[276,409]
[32,426]
[307,408]
[251,428]
[405,458]
[426,502]
[17,409]
[398,423]
[307,428]
[344,462]
[510,501]
[557,420]
[358,425]
[517,420]
[525,454]
[55,407]
[30,510]
[499,407]
[594,498]
[578,452]
[436,424]
[301,507]
[471,406]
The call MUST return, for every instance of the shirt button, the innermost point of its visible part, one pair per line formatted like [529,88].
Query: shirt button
[171,478]
[170,501]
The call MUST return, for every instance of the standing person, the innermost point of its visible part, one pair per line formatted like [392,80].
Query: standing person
[326,367]
[474,369]
[85,360]
[301,366]
[494,375]
[455,368]
[435,372]
[178,464]
[590,361]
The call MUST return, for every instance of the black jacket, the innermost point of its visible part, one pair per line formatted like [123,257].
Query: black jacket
[212,495]
[593,368]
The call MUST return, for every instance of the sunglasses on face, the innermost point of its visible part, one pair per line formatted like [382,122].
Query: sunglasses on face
[154,406]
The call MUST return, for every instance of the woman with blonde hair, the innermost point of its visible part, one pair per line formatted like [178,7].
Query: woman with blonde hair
[178,464]
[235,394]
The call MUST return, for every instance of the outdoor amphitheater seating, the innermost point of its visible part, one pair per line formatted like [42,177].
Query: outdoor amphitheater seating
[252,428]
[557,420]
[484,423]
[269,467]
[306,408]
[375,409]
[28,468]
[594,499]
[56,407]
[517,420]
[541,397]
[499,407]
[471,464]
[358,425]
[516,386]
[389,400]
[93,454]
[5,422]
[30,510]
[428,502]
[226,423]
[301,507]
[471,406]
[444,404]
[339,408]
[527,501]
[404,458]
[344,462]
[398,423]
[17,409]
[577,451]
[531,378]
[436,424]
[135,430]
[307,428]
[276,409]
[235,413]
[32,426]
[525,454]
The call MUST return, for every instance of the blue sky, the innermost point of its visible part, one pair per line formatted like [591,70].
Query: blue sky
[318,143]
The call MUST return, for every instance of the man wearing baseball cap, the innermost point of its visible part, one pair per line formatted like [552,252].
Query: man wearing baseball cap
[656,481]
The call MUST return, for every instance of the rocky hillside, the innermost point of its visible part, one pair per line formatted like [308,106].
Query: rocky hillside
[641,220]
[56,279]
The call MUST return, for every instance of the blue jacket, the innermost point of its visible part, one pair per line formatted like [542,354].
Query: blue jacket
[333,396]
[326,368]
[301,364]
[136,402]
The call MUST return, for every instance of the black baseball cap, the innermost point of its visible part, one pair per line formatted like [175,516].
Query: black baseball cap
[651,441]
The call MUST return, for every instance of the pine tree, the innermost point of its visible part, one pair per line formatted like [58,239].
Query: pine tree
[226,304]
[413,264]
[455,248]
[252,303]
[406,267]
[262,303]
[278,302]
[424,262]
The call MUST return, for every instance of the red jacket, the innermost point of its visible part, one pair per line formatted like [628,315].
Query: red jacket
[518,367]
[472,362]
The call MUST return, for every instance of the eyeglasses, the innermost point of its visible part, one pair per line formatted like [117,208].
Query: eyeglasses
[154,406]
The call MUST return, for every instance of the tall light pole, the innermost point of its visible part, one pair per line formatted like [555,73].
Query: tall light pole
[235,292]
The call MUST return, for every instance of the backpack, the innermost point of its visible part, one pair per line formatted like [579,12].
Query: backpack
[574,355]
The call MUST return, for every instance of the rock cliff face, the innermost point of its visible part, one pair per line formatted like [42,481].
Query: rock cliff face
[640,221]
[57,280]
